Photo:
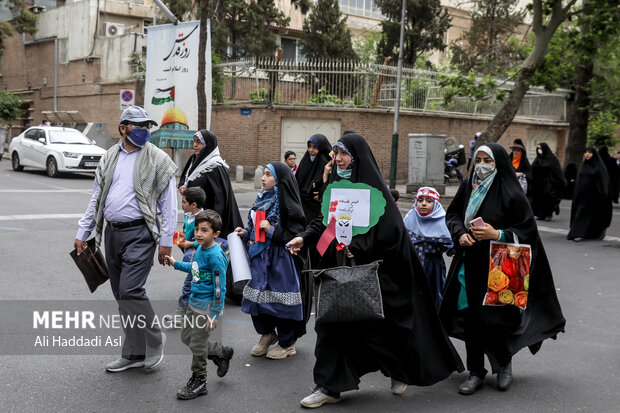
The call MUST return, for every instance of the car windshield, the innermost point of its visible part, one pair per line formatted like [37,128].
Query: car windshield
[68,136]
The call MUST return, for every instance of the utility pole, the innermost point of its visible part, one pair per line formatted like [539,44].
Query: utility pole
[394,155]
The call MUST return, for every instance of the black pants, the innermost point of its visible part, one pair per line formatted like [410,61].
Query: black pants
[284,327]
[474,345]
[129,255]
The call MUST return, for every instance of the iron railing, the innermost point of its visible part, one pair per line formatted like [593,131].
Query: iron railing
[341,83]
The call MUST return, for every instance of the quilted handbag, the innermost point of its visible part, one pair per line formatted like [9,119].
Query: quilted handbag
[348,294]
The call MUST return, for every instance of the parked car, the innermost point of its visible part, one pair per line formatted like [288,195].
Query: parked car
[55,150]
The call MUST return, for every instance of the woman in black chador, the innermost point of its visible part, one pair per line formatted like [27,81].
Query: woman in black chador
[548,184]
[522,167]
[590,214]
[613,169]
[310,179]
[493,193]
[409,345]
[207,170]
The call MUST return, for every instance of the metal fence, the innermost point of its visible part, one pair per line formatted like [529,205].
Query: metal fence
[352,84]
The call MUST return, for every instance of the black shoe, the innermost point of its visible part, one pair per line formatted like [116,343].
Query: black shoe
[223,362]
[471,385]
[504,377]
[602,236]
[195,387]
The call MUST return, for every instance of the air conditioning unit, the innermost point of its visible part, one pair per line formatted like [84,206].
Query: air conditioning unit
[113,29]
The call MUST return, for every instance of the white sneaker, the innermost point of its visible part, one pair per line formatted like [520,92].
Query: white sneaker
[318,399]
[398,387]
[123,364]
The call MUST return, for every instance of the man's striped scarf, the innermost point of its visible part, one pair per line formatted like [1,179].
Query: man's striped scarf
[152,173]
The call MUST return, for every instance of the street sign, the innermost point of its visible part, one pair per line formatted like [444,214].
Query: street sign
[128,97]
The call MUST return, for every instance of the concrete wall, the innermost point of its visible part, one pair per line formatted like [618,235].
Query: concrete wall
[255,139]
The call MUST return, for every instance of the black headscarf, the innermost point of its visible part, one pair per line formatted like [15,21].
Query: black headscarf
[505,207]
[548,182]
[215,181]
[309,171]
[613,170]
[409,345]
[591,209]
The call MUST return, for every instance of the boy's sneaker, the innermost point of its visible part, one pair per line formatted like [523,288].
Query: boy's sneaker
[223,362]
[195,387]
[266,340]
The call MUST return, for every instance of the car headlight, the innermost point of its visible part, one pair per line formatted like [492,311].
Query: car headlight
[71,154]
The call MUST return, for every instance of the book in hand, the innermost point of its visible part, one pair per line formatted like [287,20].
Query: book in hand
[92,265]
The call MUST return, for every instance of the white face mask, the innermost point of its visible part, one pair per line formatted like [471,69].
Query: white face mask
[484,170]
[539,151]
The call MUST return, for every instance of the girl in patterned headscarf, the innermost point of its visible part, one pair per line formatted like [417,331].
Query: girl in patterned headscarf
[276,296]
[426,226]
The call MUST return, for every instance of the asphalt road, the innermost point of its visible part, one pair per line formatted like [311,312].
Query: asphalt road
[38,221]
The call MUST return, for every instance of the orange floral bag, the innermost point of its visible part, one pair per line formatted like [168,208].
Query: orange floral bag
[509,274]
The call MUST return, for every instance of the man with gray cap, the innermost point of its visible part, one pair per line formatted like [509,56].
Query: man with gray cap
[134,183]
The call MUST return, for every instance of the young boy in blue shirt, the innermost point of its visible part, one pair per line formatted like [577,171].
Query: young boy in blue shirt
[206,303]
[192,201]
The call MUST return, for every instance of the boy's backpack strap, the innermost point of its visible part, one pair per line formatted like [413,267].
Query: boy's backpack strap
[216,281]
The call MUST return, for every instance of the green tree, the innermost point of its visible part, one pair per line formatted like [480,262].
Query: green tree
[10,106]
[325,33]
[365,47]
[23,21]
[425,26]
[547,15]
[485,48]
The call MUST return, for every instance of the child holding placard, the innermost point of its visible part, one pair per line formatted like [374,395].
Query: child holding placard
[273,297]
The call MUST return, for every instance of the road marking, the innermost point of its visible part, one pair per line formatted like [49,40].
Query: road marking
[565,232]
[39,216]
[11,229]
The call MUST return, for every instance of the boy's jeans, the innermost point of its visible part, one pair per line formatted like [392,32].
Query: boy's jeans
[197,339]
[187,284]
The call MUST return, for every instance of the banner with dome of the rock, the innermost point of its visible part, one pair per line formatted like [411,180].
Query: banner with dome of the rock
[170,93]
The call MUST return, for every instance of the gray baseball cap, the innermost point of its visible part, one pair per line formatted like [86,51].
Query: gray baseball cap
[135,114]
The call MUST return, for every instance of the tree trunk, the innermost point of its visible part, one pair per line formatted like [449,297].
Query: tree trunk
[543,34]
[579,112]
[202,45]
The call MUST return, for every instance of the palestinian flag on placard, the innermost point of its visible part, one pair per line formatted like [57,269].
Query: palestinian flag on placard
[162,96]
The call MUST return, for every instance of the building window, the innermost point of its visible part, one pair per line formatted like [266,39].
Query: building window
[366,8]
[289,49]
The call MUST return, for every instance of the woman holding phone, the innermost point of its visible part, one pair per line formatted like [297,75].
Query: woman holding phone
[491,205]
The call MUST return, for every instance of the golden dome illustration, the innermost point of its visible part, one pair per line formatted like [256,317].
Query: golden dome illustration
[174,118]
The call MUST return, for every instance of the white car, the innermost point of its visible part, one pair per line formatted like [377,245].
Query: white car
[55,150]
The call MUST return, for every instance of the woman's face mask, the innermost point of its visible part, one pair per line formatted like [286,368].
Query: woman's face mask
[539,151]
[484,170]
[344,173]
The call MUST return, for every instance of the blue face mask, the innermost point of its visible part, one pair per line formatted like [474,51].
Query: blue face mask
[312,158]
[344,173]
[139,135]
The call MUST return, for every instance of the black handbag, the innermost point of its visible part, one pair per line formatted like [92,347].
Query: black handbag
[346,293]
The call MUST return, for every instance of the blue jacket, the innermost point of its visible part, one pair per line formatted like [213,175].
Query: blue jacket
[207,266]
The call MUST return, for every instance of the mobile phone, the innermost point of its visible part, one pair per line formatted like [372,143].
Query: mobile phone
[476,222]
